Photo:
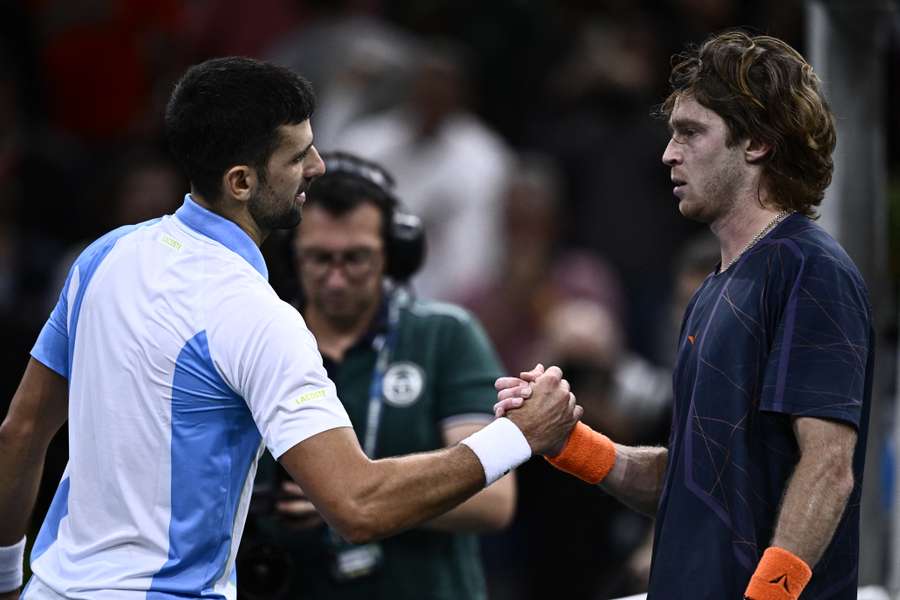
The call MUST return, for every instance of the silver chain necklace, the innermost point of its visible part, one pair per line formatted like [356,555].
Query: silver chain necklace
[771,225]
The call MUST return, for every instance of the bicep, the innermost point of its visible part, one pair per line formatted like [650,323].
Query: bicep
[41,403]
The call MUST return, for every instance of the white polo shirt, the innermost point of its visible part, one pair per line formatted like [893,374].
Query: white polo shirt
[183,365]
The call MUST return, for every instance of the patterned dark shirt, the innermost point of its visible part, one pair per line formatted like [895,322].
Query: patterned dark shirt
[785,332]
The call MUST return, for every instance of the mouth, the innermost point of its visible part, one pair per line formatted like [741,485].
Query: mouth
[300,197]
[679,186]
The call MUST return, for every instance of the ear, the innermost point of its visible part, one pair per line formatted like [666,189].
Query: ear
[240,182]
[756,151]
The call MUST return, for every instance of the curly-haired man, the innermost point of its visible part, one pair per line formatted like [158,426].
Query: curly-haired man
[758,490]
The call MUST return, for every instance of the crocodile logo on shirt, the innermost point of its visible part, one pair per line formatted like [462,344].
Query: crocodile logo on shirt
[403,384]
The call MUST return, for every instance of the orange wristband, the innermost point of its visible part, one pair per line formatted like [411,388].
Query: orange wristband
[587,455]
[780,575]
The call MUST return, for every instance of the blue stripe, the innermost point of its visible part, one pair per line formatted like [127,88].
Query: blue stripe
[222,230]
[214,444]
[59,508]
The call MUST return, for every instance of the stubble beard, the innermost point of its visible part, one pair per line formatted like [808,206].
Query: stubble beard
[719,196]
[269,216]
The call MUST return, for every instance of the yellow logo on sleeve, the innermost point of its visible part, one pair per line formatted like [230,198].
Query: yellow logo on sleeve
[309,396]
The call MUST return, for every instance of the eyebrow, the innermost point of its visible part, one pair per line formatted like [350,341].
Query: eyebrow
[683,123]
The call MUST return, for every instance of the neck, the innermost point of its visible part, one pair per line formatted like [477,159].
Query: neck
[739,226]
[335,336]
[235,214]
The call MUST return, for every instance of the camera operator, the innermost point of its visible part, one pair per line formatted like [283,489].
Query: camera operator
[413,376]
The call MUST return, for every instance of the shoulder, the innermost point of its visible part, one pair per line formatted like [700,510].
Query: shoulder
[102,245]
[801,248]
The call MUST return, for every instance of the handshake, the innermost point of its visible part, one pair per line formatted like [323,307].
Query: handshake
[542,406]
[550,423]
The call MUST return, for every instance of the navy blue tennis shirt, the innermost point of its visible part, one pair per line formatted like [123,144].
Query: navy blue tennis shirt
[785,332]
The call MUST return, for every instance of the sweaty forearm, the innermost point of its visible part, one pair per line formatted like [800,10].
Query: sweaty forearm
[636,478]
[812,507]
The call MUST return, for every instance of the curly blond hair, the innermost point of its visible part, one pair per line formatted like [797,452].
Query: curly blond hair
[764,90]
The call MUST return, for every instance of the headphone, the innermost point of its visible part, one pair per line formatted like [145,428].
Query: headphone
[404,235]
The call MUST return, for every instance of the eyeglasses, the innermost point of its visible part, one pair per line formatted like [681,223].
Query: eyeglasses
[357,263]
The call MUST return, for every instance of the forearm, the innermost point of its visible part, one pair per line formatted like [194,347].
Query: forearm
[636,478]
[21,466]
[813,504]
[395,494]
[487,511]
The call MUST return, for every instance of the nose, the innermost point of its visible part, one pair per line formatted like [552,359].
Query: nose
[335,278]
[672,155]
[315,166]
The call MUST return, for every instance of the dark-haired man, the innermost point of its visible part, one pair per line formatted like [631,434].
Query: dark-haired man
[176,365]
[758,491]
[435,370]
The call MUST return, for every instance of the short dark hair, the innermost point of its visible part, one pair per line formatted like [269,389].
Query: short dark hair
[227,111]
[350,181]
[766,91]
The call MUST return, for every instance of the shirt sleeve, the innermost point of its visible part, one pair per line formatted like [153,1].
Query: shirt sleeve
[818,363]
[468,371]
[268,356]
[52,346]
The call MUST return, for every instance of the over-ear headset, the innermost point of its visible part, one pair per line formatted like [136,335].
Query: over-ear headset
[404,235]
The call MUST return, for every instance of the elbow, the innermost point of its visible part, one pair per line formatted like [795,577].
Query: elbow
[357,524]
[16,437]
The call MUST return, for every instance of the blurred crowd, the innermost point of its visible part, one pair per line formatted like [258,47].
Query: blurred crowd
[519,131]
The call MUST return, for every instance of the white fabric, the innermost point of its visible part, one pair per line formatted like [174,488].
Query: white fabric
[501,447]
[184,364]
[11,566]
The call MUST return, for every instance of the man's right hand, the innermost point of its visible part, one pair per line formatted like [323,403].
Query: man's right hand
[549,416]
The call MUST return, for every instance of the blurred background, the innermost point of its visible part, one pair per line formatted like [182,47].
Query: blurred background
[520,131]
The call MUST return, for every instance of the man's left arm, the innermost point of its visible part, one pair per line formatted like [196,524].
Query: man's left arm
[817,493]
[38,410]
[814,501]
[490,509]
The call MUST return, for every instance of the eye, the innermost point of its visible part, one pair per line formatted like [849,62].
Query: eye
[683,135]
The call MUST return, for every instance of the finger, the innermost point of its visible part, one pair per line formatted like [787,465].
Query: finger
[507,382]
[508,404]
[552,376]
[290,487]
[579,412]
[572,402]
[295,508]
[533,374]
[565,387]
[523,391]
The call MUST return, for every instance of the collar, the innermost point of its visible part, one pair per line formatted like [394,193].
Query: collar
[222,230]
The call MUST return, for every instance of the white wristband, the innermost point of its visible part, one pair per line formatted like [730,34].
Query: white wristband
[11,558]
[500,447]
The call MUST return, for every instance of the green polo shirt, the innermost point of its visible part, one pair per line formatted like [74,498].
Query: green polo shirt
[442,368]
